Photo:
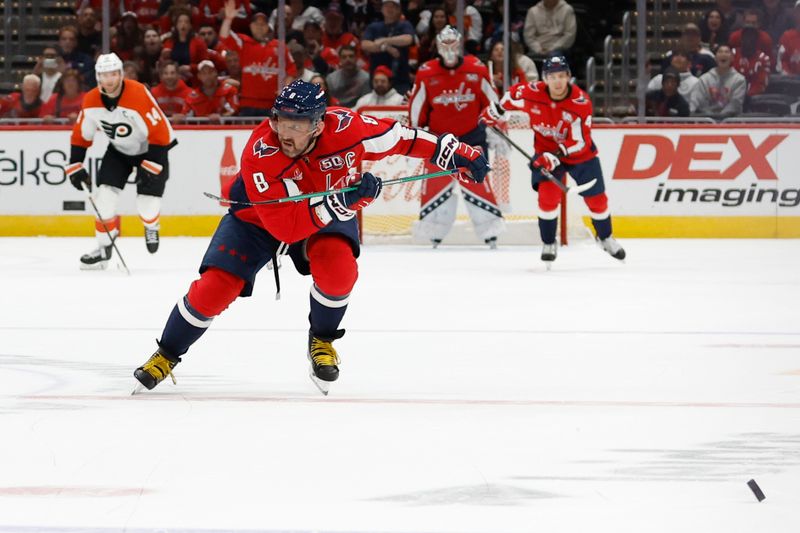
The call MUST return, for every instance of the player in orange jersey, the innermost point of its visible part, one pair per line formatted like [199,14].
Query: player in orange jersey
[139,136]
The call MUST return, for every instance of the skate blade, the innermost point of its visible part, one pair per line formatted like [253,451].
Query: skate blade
[548,265]
[139,388]
[323,386]
[100,265]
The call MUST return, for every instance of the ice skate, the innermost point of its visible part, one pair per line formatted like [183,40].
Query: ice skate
[613,248]
[436,243]
[323,358]
[492,242]
[153,372]
[151,240]
[549,253]
[97,259]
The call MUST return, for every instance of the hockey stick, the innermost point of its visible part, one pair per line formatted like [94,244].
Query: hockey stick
[105,228]
[336,191]
[564,188]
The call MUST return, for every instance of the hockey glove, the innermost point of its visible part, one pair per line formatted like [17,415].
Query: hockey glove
[153,162]
[451,153]
[78,176]
[492,115]
[343,206]
[546,161]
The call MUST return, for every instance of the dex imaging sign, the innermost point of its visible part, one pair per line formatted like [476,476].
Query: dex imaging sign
[704,172]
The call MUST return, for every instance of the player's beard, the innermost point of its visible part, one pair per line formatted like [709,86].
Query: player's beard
[290,148]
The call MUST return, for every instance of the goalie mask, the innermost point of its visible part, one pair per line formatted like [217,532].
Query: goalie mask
[448,45]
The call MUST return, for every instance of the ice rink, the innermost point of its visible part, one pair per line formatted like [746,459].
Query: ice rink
[479,393]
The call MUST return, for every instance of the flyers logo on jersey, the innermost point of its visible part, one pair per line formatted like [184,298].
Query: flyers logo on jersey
[116,130]
[261,149]
[345,118]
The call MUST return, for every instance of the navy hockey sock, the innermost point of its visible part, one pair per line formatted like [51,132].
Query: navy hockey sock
[602,227]
[184,326]
[547,229]
[326,313]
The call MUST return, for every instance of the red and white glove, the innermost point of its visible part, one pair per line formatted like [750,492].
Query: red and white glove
[492,115]
[545,161]
[451,154]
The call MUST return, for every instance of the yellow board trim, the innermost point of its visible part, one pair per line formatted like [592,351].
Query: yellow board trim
[83,225]
[624,226]
[705,227]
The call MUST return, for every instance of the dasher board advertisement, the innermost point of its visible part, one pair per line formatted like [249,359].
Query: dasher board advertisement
[662,181]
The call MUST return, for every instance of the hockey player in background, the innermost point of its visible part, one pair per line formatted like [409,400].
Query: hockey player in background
[561,117]
[448,96]
[303,148]
[139,136]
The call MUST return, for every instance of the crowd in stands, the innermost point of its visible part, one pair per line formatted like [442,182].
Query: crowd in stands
[732,61]
[217,58]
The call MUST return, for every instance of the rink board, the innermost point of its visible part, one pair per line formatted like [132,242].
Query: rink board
[704,181]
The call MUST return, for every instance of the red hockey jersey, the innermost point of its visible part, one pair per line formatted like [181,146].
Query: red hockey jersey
[224,101]
[789,52]
[566,122]
[259,69]
[348,138]
[450,100]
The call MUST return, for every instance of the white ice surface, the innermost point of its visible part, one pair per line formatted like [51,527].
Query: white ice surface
[478,393]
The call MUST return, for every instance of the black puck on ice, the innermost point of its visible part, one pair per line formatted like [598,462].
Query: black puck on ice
[756,489]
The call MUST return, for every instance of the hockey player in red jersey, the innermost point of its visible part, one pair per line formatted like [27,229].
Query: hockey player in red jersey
[139,136]
[303,148]
[561,117]
[448,96]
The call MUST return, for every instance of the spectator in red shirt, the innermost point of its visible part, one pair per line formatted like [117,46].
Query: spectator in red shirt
[322,59]
[763,40]
[67,98]
[146,10]
[25,104]
[213,12]
[167,21]
[215,49]
[335,37]
[789,49]
[172,92]
[213,99]
[185,48]
[233,68]
[258,56]
[751,62]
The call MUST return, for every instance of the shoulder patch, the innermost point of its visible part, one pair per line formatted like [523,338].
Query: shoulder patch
[345,119]
[262,149]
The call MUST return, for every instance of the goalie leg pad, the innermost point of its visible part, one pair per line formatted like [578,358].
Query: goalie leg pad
[483,210]
[438,211]
[214,291]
